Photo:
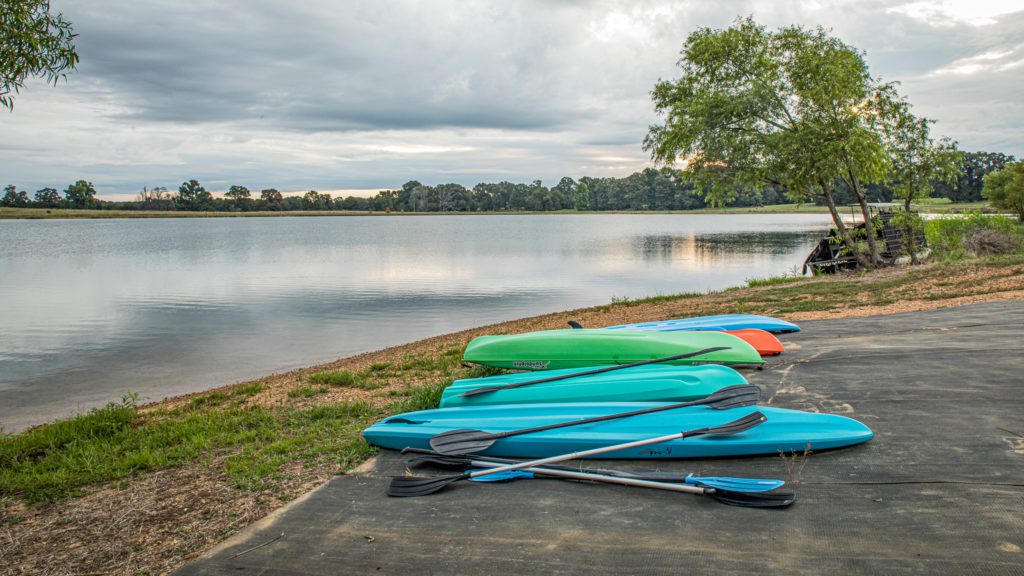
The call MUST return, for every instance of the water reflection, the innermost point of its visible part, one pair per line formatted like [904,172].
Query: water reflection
[94,309]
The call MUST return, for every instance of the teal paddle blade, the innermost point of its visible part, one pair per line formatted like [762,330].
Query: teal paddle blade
[735,484]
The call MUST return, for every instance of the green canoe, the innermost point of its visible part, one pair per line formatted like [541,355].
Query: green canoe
[557,349]
[650,383]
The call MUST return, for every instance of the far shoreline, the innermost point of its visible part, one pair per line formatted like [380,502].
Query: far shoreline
[7,213]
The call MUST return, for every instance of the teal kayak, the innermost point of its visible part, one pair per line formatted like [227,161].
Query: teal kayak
[650,383]
[784,431]
[719,322]
[557,349]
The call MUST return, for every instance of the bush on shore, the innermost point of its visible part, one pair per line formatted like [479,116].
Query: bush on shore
[973,234]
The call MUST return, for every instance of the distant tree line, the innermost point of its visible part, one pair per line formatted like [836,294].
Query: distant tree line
[650,189]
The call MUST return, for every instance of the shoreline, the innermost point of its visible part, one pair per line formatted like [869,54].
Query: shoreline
[7,213]
[234,454]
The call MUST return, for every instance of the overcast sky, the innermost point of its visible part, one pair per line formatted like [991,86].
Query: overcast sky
[358,96]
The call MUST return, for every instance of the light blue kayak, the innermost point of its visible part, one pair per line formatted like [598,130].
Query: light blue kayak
[650,383]
[784,431]
[721,322]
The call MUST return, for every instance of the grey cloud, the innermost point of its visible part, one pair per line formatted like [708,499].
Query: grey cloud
[323,94]
[375,67]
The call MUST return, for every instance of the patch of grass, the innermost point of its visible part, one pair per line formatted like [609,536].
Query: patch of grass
[772,281]
[250,389]
[116,441]
[307,436]
[347,379]
[420,398]
[443,362]
[211,399]
[339,378]
[624,301]
[306,391]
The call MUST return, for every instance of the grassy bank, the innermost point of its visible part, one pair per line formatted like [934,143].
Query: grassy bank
[137,490]
[55,213]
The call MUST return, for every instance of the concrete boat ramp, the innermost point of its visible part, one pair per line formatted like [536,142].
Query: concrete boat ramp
[940,490]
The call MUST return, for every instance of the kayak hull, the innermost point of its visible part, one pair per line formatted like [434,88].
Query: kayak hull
[784,431]
[764,342]
[558,349]
[650,383]
[718,322]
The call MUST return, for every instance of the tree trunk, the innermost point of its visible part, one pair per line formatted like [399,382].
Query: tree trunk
[869,228]
[908,230]
[841,226]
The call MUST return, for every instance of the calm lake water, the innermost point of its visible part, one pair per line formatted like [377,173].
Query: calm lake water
[92,309]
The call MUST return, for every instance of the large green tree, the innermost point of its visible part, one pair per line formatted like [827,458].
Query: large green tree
[975,167]
[13,198]
[271,199]
[313,200]
[792,107]
[48,198]
[34,43]
[240,196]
[81,194]
[1005,188]
[916,162]
[193,196]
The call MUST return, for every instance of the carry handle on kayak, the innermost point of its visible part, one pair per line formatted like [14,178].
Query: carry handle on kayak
[490,389]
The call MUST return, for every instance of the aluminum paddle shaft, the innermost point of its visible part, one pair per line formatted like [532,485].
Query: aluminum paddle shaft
[731,497]
[412,486]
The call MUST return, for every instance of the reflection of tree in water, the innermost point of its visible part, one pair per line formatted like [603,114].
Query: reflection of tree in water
[669,247]
[758,242]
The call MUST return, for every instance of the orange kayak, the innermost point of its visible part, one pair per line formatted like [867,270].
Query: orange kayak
[765,343]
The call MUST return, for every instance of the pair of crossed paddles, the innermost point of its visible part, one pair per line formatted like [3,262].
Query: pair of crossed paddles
[456,449]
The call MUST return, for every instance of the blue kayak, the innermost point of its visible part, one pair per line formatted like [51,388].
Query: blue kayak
[721,322]
[784,431]
[650,383]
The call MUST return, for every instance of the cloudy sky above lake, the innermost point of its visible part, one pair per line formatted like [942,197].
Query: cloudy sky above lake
[359,96]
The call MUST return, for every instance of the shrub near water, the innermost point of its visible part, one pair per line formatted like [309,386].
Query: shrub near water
[953,238]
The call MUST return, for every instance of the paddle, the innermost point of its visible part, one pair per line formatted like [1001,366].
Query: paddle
[466,441]
[489,389]
[463,462]
[410,486]
[724,495]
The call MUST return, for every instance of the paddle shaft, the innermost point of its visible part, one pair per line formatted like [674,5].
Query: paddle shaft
[489,389]
[708,400]
[495,461]
[607,479]
[601,450]
[737,484]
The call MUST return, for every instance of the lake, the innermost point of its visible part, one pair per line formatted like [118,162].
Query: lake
[93,309]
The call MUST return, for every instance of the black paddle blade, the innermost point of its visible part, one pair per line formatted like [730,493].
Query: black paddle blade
[575,325]
[734,397]
[411,486]
[451,462]
[458,442]
[753,499]
[734,427]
